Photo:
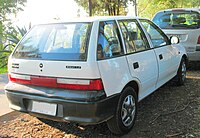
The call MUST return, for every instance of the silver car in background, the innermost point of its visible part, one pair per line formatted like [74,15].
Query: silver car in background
[185,24]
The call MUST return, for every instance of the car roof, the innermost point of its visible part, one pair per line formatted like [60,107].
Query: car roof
[94,19]
[100,18]
[182,9]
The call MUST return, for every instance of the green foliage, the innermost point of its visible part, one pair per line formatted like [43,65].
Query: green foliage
[105,7]
[147,8]
[3,70]
[7,8]
[13,36]
[4,54]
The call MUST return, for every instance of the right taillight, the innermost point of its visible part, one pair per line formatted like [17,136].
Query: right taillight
[91,86]
[198,41]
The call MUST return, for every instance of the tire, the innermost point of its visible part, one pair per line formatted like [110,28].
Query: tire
[125,114]
[181,74]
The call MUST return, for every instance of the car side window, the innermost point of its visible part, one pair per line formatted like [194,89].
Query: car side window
[156,35]
[134,38]
[109,44]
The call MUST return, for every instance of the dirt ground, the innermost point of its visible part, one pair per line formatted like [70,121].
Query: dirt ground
[171,111]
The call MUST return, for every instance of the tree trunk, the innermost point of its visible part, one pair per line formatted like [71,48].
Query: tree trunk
[114,9]
[90,7]
[135,5]
[109,8]
[118,2]
[136,8]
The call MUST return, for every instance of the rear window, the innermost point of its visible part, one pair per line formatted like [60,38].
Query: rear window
[55,42]
[177,20]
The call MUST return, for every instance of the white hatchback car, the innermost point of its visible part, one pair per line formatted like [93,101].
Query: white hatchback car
[185,24]
[92,70]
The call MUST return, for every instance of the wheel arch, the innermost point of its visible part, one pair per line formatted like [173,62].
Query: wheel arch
[134,84]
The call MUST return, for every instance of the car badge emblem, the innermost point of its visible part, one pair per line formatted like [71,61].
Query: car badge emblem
[41,65]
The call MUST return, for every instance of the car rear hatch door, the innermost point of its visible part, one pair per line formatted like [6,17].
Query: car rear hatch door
[54,53]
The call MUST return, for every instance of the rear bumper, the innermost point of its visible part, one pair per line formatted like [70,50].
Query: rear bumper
[76,106]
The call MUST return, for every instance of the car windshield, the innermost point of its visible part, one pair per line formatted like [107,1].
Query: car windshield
[67,41]
[177,20]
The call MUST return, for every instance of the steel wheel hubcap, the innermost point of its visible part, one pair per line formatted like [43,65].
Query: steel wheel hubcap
[128,110]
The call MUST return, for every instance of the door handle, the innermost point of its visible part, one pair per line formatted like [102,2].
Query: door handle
[160,56]
[135,65]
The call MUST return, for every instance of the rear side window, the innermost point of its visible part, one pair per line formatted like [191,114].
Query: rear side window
[55,42]
[109,44]
[177,20]
[133,35]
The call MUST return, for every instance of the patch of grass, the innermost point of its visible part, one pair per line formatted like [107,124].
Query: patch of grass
[3,70]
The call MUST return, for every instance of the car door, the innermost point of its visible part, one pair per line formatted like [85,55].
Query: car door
[111,59]
[166,53]
[141,58]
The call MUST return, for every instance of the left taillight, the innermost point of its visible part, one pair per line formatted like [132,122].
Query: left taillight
[72,84]
[22,79]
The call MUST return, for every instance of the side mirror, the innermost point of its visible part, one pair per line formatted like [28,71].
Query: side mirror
[174,40]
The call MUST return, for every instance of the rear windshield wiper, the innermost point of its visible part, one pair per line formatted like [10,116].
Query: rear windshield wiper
[179,25]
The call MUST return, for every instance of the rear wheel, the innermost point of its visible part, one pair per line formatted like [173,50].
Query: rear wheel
[181,74]
[126,112]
